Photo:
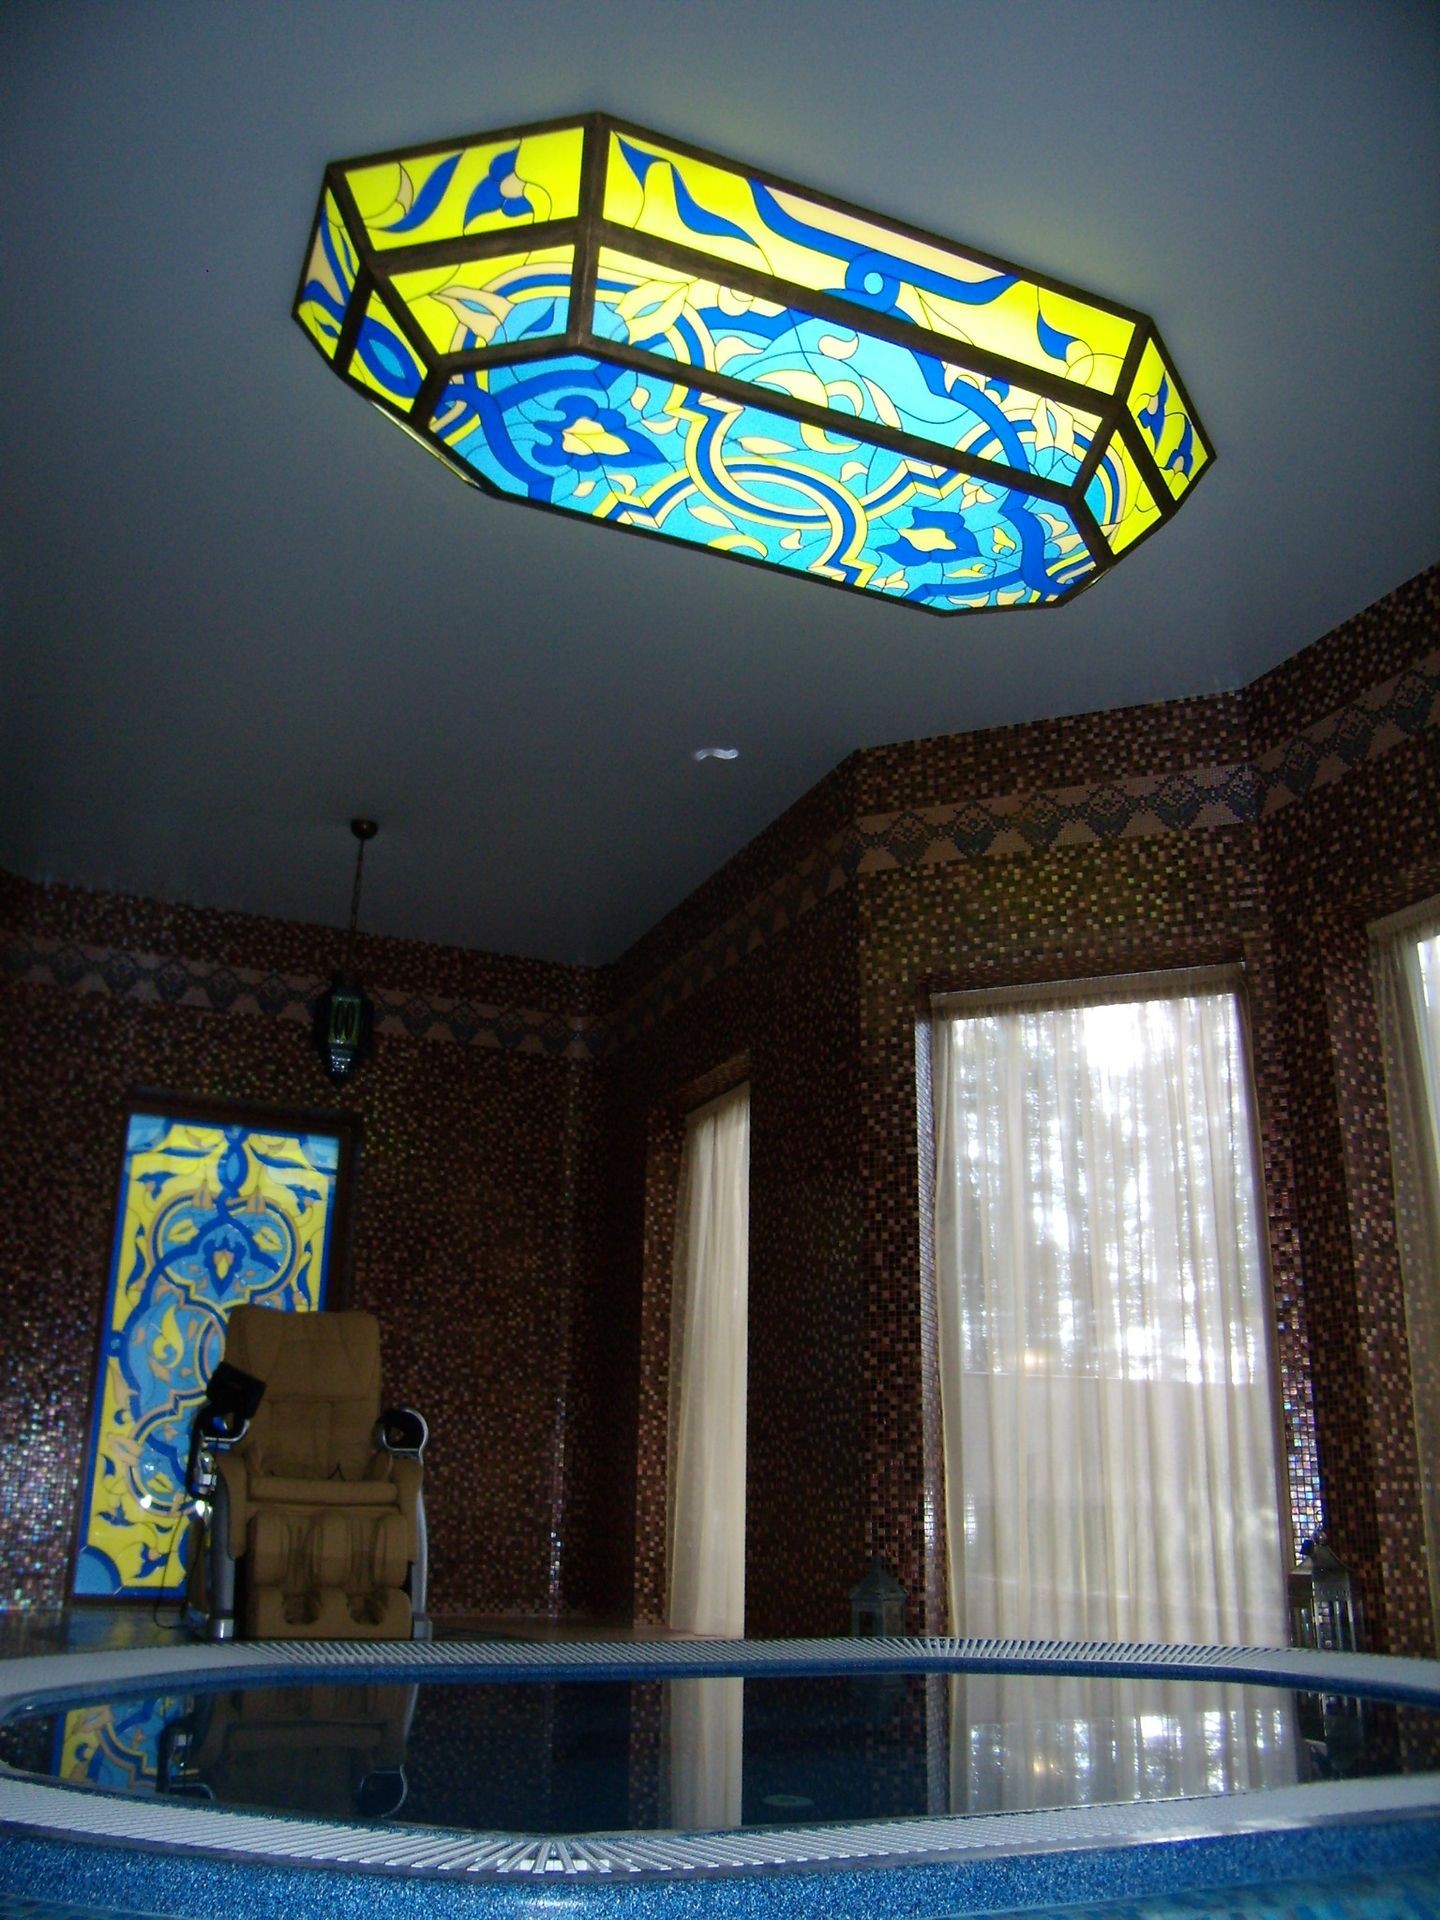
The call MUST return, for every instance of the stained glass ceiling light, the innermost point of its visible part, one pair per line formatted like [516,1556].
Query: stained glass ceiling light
[585,316]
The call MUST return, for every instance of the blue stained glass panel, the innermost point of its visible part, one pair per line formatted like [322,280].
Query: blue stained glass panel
[845,370]
[637,450]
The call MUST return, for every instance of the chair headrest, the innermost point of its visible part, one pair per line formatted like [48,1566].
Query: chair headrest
[325,1356]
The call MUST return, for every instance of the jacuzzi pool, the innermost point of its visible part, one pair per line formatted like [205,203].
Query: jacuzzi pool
[846,1778]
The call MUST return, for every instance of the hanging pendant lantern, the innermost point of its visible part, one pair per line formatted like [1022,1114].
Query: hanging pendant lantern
[344,1017]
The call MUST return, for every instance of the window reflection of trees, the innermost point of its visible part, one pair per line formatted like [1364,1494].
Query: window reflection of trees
[1127,1192]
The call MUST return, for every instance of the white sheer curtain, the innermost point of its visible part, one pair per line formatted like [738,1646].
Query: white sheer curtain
[705,1733]
[1021,1741]
[1407,979]
[707,1372]
[1107,1401]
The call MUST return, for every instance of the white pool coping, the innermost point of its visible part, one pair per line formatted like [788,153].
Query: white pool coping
[37,1809]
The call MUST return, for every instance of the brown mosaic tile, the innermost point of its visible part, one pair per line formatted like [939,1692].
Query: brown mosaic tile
[1126,743]
[1341,667]
[515,1201]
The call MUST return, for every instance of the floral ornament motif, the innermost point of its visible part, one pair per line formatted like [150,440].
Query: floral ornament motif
[209,1216]
[500,191]
[587,438]
[934,539]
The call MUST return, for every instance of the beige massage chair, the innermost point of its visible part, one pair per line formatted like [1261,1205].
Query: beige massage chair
[309,1494]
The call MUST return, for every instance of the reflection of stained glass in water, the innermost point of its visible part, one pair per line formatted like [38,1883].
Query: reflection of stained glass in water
[209,1217]
[115,1745]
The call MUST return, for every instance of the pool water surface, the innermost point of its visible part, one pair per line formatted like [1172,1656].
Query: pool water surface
[844,1780]
[698,1754]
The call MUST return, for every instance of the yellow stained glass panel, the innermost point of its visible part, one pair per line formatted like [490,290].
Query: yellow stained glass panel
[209,1217]
[1119,497]
[482,303]
[732,216]
[465,190]
[1160,414]
[383,359]
[329,279]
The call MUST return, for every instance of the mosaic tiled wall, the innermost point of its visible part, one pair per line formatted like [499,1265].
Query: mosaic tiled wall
[465,1231]
[1196,831]
[791,1007]
[1356,848]
[511,1183]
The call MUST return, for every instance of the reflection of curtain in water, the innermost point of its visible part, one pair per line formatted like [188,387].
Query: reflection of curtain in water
[706,1730]
[707,1372]
[1019,1741]
[1110,1458]
[1407,983]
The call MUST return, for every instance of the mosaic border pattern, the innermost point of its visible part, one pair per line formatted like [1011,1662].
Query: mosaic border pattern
[1239,794]
[171,981]
[32,1808]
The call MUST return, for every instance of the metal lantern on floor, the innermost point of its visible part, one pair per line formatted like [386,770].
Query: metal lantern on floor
[877,1605]
[1325,1610]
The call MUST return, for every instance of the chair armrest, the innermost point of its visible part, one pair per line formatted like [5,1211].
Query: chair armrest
[234,1470]
[401,1432]
[222,1420]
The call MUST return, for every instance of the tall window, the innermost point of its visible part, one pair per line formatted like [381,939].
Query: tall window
[707,1372]
[1106,1387]
[1407,978]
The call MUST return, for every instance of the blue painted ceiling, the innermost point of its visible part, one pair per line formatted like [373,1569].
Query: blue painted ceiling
[237,607]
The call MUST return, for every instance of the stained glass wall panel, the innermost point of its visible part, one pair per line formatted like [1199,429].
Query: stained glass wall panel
[209,1217]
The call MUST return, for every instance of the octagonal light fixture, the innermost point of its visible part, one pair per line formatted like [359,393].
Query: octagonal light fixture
[589,317]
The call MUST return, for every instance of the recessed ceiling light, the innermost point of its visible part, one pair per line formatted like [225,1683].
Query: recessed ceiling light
[716,753]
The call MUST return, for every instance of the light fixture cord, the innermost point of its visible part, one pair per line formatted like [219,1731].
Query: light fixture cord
[354,907]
